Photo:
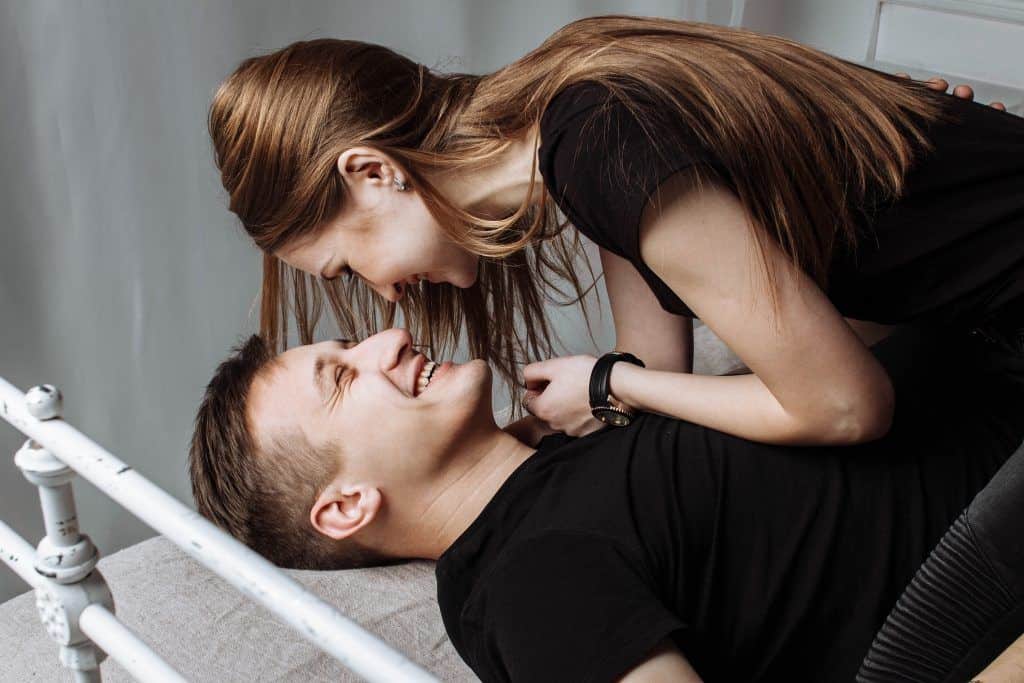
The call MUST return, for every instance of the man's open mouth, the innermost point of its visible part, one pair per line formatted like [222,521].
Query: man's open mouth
[424,377]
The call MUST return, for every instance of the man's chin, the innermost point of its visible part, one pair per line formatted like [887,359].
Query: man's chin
[482,362]
[461,387]
[481,382]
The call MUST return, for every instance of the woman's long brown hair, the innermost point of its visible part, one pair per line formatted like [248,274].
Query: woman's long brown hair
[806,140]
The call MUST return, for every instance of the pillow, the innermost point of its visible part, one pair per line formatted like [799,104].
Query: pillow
[209,631]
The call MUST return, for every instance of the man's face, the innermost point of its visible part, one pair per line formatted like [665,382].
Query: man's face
[365,398]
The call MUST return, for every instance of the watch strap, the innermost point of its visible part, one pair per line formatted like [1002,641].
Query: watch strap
[600,377]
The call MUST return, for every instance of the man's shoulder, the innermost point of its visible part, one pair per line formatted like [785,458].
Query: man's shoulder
[550,557]
[542,553]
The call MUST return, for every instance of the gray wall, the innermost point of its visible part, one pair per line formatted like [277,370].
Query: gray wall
[123,278]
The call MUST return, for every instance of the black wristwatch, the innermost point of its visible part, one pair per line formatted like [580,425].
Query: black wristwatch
[600,389]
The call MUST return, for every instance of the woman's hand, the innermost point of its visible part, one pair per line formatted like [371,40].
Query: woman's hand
[558,392]
[963,91]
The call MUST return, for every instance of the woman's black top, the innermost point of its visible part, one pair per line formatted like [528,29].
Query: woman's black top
[950,250]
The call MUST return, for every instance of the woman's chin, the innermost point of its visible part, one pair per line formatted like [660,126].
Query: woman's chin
[462,283]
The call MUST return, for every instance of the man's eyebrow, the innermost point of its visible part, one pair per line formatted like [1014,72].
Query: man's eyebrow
[318,377]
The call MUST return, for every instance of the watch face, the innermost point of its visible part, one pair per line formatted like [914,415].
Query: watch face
[611,416]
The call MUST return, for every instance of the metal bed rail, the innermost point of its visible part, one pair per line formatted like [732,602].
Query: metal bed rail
[96,622]
[72,596]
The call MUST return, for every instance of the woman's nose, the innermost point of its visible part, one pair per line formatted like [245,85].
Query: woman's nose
[393,292]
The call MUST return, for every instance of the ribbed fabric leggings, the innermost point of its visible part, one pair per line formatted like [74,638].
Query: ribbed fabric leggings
[965,605]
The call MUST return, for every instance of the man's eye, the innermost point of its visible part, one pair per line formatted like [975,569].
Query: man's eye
[339,373]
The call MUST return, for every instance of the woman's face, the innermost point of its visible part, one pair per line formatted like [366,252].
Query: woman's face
[385,236]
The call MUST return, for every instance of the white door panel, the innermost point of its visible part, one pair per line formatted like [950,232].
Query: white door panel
[978,42]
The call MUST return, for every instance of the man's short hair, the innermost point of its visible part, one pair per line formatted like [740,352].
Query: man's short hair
[263,496]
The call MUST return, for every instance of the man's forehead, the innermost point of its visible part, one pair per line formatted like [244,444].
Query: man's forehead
[285,391]
[272,383]
[291,370]
[278,403]
[304,368]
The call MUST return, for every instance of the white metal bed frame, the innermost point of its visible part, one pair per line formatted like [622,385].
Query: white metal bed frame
[72,597]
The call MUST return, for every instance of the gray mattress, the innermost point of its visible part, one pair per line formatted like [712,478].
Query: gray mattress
[209,631]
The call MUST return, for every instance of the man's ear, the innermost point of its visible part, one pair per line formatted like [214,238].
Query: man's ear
[341,511]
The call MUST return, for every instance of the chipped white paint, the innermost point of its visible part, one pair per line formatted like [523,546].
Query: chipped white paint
[319,622]
[95,620]
[19,556]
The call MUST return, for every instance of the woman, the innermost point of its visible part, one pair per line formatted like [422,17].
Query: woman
[783,194]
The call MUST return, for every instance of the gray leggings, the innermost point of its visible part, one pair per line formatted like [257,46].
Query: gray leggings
[965,605]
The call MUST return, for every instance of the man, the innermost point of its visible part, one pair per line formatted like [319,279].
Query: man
[657,551]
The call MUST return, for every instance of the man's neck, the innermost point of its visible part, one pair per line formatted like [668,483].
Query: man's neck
[458,497]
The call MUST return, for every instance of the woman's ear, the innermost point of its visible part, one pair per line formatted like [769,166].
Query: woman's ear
[340,512]
[359,163]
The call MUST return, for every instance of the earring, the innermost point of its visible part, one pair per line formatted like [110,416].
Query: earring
[402,187]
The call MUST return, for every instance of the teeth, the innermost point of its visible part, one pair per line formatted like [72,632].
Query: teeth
[424,379]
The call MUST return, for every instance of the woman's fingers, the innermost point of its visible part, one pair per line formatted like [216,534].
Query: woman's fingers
[535,372]
[963,90]
[527,399]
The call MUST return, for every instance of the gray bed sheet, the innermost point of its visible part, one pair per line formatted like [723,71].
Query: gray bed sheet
[209,631]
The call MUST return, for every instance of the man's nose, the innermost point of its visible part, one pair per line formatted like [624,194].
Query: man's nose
[398,344]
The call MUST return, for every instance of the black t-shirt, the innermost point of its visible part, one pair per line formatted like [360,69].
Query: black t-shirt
[762,563]
[950,250]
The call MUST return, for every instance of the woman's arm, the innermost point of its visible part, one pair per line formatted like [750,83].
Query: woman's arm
[814,381]
[664,341]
